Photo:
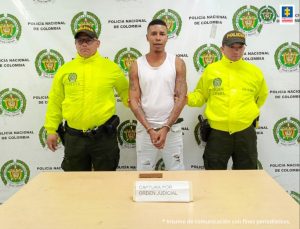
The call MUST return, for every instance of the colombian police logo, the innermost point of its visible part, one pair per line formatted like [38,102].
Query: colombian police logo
[217,82]
[287,57]
[125,57]
[173,21]
[47,63]
[10,28]
[15,173]
[126,133]
[267,15]
[205,55]
[286,131]
[43,138]
[72,77]
[12,102]
[86,19]
[160,165]
[246,20]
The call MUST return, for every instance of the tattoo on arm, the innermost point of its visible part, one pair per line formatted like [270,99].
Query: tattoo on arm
[131,85]
[179,93]
[135,96]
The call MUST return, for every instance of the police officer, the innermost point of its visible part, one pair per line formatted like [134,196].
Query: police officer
[82,94]
[233,91]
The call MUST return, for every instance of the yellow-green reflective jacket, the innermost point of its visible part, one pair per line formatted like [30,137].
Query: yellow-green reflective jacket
[233,91]
[82,93]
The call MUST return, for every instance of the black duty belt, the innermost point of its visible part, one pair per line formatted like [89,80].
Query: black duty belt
[87,133]
[109,127]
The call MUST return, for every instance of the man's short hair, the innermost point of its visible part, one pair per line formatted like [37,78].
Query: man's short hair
[157,22]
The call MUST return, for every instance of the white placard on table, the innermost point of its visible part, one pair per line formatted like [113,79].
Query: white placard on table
[163,191]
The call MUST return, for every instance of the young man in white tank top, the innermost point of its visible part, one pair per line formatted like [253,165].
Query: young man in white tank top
[155,80]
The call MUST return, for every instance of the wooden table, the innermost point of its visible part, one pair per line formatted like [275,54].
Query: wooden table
[84,200]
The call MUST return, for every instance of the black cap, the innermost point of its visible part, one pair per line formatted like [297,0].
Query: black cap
[86,29]
[232,37]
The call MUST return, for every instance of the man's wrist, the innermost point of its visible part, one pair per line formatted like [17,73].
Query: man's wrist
[149,129]
[167,126]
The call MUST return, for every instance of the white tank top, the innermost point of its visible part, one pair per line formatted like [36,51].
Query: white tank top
[157,89]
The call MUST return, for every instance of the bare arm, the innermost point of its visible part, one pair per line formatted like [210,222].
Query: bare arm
[180,91]
[135,96]
[179,102]
[135,102]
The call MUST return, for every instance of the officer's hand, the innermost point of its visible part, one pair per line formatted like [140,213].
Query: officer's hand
[52,142]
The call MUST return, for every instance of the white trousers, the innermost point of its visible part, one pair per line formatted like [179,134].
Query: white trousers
[147,153]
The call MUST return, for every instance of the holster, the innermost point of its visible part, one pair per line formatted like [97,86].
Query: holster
[255,123]
[111,124]
[61,130]
[204,129]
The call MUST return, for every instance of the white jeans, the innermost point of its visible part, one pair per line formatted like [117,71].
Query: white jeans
[172,153]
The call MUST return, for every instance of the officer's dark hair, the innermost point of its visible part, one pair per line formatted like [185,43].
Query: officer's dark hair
[157,22]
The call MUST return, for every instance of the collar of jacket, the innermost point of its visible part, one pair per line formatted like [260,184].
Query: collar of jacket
[89,59]
[225,60]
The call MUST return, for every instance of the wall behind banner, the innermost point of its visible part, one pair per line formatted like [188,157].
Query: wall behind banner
[36,38]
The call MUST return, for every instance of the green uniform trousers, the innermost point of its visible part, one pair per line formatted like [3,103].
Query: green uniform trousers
[86,153]
[241,146]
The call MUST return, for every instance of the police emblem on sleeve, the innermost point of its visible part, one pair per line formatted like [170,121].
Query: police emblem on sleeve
[287,57]
[217,82]
[205,55]
[126,134]
[125,57]
[86,19]
[267,14]
[15,173]
[172,19]
[12,102]
[246,20]
[72,77]
[48,62]
[286,131]
[10,29]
